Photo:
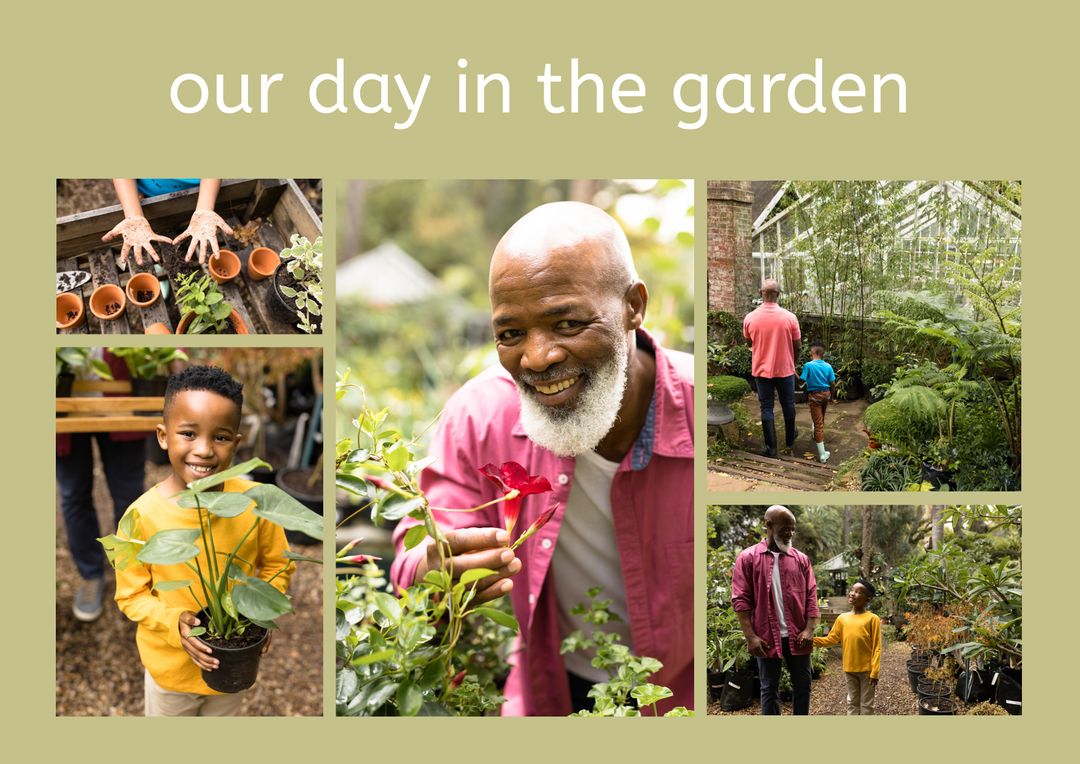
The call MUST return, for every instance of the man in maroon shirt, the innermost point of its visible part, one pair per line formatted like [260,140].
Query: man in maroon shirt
[774,595]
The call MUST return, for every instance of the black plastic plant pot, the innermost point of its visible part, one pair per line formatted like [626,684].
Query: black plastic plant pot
[915,671]
[928,688]
[936,707]
[1007,694]
[973,686]
[238,666]
[935,476]
[716,684]
[282,306]
[738,690]
[149,388]
[313,501]
[64,384]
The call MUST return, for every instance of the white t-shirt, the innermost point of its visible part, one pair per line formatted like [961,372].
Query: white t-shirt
[586,555]
[778,594]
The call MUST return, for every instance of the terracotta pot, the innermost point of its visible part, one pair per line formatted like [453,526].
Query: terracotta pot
[143,282]
[234,319]
[104,296]
[262,262]
[69,311]
[158,328]
[224,266]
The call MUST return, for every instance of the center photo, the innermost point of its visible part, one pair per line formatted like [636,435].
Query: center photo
[515,448]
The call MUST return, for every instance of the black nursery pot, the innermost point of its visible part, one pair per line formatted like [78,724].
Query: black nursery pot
[915,670]
[973,686]
[928,688]
[64,384]
[936,707]
[936,477]
[313,501]
[1007,694]
[738,690]
[149,388]
[238,667]
[283,307]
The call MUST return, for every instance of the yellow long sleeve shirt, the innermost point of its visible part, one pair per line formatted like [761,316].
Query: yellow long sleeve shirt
[158,612]
[859,637]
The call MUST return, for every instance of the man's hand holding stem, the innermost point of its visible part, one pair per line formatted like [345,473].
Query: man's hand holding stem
[471,548]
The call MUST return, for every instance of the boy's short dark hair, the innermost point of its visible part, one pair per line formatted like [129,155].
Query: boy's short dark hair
[817,345]
[870,590]
[208,378]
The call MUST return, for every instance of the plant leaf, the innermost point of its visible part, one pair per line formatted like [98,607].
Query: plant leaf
[273,504]
[169,547]
[235,471]
[169,586]
[499,617]
[258,600]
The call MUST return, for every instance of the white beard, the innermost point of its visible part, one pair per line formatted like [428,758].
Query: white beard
[781,546]
[573,431]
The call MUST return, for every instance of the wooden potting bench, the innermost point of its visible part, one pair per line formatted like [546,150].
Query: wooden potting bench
[116,413]
[279,205]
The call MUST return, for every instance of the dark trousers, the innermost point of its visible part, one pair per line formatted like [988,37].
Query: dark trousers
[124,464]
[769,674]
[784,389]
[579,692]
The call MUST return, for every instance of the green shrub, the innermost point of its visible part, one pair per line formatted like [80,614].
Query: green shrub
[889,472]
[724,389]
[888,423]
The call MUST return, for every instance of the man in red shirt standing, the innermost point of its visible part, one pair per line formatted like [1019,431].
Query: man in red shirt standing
[775,342]
[774,594]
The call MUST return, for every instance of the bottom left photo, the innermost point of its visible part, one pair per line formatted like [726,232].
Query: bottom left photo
[189,531]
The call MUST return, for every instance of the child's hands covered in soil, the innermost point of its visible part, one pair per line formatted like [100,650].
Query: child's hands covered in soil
[469,548]
[199,653]
[202,230]
[137,235]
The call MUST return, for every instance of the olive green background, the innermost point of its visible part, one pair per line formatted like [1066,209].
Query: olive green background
[991,89]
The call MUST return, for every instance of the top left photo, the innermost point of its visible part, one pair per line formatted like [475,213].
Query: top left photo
[189,256]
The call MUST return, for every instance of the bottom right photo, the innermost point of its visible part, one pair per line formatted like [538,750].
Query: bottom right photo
[865,610]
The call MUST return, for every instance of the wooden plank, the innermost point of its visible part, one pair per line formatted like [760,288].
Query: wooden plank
[103,271]
[72,264]
[122,386]
[82,231]
[302,219]
[109,405]
[267,193]
[108,424]
[764,477]
[789,460]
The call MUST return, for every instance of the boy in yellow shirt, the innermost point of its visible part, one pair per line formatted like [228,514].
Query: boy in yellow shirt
[200,431]
[859,635]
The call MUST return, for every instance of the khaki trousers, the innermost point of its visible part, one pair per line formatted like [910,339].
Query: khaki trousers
[161,702]
[860,693]
[819,402]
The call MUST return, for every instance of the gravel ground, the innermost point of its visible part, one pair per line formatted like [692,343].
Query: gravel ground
[97,665]
[828,694]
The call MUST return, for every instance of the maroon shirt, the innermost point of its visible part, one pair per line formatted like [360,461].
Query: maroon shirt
[751,590]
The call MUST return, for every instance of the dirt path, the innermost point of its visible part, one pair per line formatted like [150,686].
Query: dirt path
[843,437]
[828,694]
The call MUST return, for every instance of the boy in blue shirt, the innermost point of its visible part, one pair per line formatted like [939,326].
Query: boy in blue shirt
[820,382]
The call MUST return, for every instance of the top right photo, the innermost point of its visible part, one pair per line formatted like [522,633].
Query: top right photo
[864,335]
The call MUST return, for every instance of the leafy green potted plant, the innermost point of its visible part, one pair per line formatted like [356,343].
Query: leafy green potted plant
[77,362]
[203,308]
[723,391]
[149,367]
[238,608]
[298,285]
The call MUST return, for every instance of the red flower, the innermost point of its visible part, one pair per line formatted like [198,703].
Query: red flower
[515,483]
[456,681]
[358,559]
[539,523]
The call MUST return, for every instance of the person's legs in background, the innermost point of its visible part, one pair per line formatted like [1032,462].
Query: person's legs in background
[800,670]
[769,676]
[765,393]
[785,391]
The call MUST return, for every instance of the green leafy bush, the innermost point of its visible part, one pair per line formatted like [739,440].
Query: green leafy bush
[889,472]
[724,389]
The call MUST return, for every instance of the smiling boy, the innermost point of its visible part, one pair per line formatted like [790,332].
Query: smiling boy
[858,633]
[200,430]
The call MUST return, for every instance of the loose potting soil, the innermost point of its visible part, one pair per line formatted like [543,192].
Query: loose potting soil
[252,634]
[112,307]
[143,295]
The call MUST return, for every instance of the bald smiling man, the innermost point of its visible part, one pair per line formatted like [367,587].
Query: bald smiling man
[586,398]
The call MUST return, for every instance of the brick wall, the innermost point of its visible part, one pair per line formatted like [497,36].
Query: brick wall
[732,283]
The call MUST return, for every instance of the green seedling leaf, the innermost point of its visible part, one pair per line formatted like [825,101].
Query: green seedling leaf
[397,456]
[221,311]
[258,600]
[169,547]
[120,552]
[221,504]
[647,694]
[437,578]
[169,586]
[409,699]
[352,484]
[388,606]
[397,506]
[302,558]
[414,536]
[499,617]
[475,574]
[273,504]
[376,657]
[229,605]
[197,631]
[345,685]
[218,478]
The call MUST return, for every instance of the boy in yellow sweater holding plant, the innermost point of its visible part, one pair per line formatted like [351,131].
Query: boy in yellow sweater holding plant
[160,589]
[858,633]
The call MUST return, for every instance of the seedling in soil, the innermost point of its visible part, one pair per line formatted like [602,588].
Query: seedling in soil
[111,308]
[144,295]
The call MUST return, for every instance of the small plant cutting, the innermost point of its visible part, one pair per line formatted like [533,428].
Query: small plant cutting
[198,294]
[628,691]
[303,285]
[410,654]
[238,608]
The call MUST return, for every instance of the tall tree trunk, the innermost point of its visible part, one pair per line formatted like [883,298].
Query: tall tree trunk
[847,527]
[867,545]
[937,527]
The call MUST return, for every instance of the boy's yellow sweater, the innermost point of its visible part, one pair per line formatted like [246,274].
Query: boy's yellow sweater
[859,637]
[158,612]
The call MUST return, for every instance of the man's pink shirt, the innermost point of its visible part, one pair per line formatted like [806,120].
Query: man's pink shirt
[771,330]
[751,590]
[652,498]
